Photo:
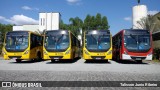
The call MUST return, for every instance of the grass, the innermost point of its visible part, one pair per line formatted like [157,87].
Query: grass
[156,61]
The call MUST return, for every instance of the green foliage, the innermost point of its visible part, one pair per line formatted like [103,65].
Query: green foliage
[105,25]
[97,23]
[156,54]
[89,23]
[3,29]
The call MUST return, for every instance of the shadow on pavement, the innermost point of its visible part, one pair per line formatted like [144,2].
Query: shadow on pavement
[26,61]
[130,62]
[63,61]
[97,62]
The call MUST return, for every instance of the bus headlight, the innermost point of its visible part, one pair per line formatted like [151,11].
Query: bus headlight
[110,52]
[44,52]
[26,52]
[86,52]
[67,52]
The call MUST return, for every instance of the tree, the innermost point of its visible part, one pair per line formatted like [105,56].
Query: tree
[90,23]
[105,25]
[3,29]
[76,24]
[87,22]
[147,23]
[98,21]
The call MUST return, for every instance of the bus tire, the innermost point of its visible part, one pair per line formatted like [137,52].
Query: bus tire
[52,60]
[18,60]
[139,61]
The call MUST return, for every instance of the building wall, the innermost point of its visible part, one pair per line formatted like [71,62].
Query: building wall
[17,28]
[26,27]
[49,21]
[33,28]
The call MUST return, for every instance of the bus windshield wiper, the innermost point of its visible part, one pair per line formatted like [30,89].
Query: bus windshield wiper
[19,38]
[94,38]
[60,38]
[133,38]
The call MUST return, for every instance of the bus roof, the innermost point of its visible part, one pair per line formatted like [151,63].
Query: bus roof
[133,31]
[21,32]
[98,32]
[56,32]
[17,33]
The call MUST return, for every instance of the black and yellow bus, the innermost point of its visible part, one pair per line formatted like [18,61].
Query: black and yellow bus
[23,45]
[97,45]
[60,45]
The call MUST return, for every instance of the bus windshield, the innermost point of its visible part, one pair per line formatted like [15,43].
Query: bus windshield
[57,42]
[16,43]
[97,42]
[137,42]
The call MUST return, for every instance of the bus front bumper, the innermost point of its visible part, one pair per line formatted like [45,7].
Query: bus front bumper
[128,57]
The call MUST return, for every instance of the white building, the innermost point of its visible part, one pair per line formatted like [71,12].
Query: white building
[26,27]
[139,12]
[47,21]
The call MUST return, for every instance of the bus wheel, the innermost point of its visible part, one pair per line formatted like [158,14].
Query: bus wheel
[139,61]
[18,60]
[52,60]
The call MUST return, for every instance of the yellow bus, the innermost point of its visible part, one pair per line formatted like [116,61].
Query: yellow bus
[23,45]
[60,45]
[97,45]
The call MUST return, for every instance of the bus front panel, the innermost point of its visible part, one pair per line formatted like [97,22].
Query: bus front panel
[97,45]
[137,45]
[57,45]
[16,45]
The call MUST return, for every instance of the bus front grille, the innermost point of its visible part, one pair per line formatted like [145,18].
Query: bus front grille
[56,57]
[138,58]
[98,57]
[17,57]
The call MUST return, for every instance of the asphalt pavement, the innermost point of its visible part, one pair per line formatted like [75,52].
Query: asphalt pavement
[80,70]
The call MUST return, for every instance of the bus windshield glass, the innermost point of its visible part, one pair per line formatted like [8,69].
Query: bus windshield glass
[57,42]
[16,42]
[137,42]
[95,42]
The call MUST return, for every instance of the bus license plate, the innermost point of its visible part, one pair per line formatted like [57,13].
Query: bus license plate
[100,54]
[59,54]
[14,58]
[98,58]
[138,58]
[17,54]
[56,58]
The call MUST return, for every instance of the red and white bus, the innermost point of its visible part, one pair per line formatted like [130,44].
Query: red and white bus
[132,44]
